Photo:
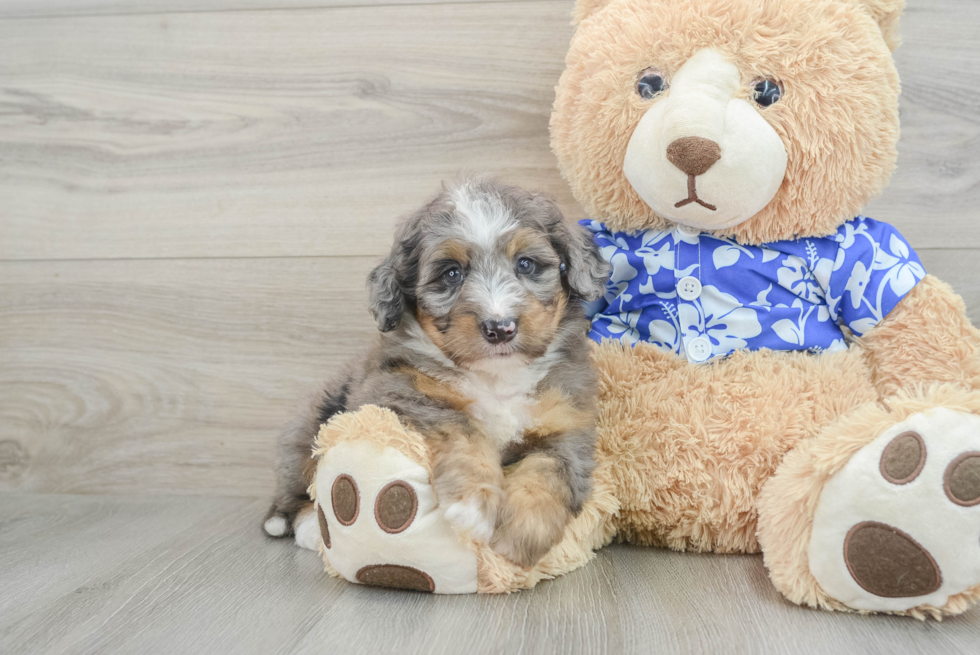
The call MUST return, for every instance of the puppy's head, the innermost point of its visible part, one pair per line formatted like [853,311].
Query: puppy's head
[489,272]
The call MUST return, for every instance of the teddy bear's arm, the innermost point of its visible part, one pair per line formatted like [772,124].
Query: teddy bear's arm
[926,338]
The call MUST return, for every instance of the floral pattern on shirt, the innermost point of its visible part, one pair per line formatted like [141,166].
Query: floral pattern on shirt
[785,295]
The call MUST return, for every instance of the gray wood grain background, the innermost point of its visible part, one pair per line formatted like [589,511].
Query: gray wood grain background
[191,194]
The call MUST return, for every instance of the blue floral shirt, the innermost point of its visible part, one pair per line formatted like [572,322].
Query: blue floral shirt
[703,297]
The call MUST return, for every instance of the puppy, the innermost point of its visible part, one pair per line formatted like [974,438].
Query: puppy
[483,350]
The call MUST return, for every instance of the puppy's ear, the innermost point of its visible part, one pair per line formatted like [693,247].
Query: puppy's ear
[392,282]
[585,269]
[387,299]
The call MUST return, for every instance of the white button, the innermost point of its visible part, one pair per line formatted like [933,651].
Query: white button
[688,231]
[689,288]
[699,349]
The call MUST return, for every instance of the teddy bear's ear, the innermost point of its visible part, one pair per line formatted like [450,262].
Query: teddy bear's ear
[887,13]
[585,8]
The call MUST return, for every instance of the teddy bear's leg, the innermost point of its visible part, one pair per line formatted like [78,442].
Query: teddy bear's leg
[881,511]
[690,447]
[377,515]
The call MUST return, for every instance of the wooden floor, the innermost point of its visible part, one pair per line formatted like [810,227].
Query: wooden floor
[191,194]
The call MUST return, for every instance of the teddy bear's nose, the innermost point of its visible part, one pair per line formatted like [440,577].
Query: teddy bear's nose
[693,155]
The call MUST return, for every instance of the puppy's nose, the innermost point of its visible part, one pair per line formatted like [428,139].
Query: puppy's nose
[693,155]
[499,330]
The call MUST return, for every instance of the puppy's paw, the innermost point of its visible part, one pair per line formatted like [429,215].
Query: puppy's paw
[277,522]
[536,511]
[307,530]
[525,539]
[475,515]
[276,526]
[519,549]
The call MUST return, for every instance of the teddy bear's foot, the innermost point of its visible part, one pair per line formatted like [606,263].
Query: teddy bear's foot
[898,526]
[380,524]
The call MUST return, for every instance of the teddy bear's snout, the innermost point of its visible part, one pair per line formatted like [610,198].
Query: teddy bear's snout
[693,154]
[674,157]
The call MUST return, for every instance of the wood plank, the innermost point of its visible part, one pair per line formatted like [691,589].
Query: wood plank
[958,268]
[195,574]
[165,376]
[305,132]
[934,195]
[61,8]
[264,133]
[703,603]
[108,574]
[172,376]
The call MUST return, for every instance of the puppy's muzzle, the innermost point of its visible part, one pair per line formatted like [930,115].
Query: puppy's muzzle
[499,330]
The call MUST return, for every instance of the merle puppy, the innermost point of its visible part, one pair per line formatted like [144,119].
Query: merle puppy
[483,350]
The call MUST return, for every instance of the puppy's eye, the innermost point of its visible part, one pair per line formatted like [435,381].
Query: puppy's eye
[525,266]
[650,83]
[453,275]
[767,92]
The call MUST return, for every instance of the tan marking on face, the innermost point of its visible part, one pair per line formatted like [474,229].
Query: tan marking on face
[539,323]
[553,414]
[427,322]
[523,239]
[462,342]
[452,249]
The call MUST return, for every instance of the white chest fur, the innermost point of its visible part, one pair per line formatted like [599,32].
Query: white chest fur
[502,397]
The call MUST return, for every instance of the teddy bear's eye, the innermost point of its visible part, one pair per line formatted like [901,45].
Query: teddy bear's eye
[651,83]
[767,92]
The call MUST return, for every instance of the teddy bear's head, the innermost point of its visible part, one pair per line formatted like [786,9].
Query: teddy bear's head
[756,119]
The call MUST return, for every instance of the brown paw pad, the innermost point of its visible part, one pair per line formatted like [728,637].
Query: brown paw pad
[962,480]
[345,499]
[903,458]
[889,563]
[395,507]
[395,577]
[324,530]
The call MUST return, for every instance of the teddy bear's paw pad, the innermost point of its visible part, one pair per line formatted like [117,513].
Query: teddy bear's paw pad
[898,527]
[962,480]
[324,530]
[396,577]
[888,563]
[396,506]
[381,525]
[903,458]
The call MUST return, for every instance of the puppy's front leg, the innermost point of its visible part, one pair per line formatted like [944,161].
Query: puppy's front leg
[468,481]
[536,510]
[545,488]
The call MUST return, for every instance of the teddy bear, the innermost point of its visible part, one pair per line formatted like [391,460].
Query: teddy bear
[778,373]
